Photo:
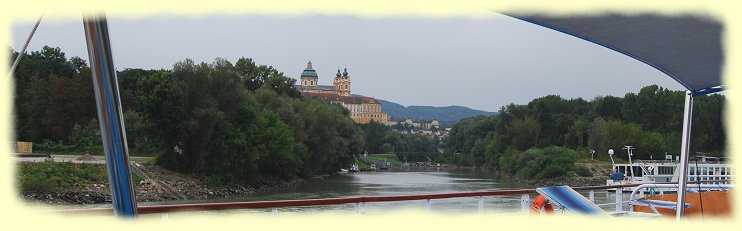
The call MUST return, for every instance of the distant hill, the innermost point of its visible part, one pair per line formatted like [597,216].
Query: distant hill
[446,115]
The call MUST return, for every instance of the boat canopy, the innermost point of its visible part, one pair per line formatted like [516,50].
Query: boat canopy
[685,47]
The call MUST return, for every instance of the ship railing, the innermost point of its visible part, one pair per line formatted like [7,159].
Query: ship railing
[638,192]
[360,203]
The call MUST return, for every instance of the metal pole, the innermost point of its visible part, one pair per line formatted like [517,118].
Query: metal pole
[629,150]
[113,134]
[525,200]
[619,199]
[592,196]
[23,50]
[481,204]
[684,150]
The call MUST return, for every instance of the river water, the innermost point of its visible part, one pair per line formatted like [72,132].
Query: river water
[402,182]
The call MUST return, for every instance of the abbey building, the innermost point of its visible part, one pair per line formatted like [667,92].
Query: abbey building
[362,109]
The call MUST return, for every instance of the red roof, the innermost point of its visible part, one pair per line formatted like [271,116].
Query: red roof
[344,99]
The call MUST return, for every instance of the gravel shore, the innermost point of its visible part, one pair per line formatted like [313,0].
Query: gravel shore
[159,185]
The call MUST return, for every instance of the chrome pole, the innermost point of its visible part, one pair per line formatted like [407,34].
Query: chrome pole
[108,101]
[684,152]
[23,50]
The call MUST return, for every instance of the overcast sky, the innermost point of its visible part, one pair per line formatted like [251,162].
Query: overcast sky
[478,63]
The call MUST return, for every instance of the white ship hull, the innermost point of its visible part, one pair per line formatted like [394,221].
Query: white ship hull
[650,172]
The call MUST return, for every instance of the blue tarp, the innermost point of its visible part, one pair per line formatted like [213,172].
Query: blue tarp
[685,47]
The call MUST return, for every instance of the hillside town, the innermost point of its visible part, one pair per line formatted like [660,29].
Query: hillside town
[363,109]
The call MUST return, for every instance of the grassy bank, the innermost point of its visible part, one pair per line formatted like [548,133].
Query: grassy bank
[391,158]
[60,176]
[364,162]
[76,183]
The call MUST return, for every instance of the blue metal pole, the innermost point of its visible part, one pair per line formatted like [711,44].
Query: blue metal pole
[110,117]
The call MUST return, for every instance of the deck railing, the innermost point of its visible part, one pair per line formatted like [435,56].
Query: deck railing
[360,202]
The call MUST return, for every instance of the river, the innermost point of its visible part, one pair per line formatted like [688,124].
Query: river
[401,182]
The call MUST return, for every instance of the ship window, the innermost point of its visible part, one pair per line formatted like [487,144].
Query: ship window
[665,170]
[637,171]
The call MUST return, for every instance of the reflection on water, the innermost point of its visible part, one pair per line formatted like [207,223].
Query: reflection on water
[396,182]
[400,182]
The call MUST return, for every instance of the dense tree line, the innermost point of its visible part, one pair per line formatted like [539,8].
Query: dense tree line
[223,121]
[650,120]
[53,96]
[383,139]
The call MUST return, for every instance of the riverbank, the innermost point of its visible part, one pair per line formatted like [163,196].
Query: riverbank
[599,171]
[156,184]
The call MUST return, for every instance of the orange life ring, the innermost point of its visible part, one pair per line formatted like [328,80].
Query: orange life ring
[541,204]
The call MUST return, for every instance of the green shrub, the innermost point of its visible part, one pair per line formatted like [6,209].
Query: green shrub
[536,163]
[53,176]
[551,171]
[581,170]
[35,182]
[213,180]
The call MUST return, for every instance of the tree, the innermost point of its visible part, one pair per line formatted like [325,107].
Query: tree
[598,137]
[621,134]
[31,110]
[32,86]
[282,85]
[71,101]
[608,107]
[577,134]
[253,75]
[524,132]
[376,136]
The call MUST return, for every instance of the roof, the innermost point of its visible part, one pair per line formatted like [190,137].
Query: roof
[685,47]
[318,87]
[344,99]
[309,72]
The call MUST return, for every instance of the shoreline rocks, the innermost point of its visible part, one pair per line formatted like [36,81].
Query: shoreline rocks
[164,185]
[573,182]
[159,185]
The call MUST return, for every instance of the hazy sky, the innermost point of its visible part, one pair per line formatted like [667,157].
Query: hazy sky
[479,63]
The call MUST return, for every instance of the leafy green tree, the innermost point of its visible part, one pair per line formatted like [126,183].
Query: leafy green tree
[376,136]
[282,85]
[71,101]
[31,110]
[32,86]
[621,134]
[598,137]
[608,107]
[524,132]
[577,135]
